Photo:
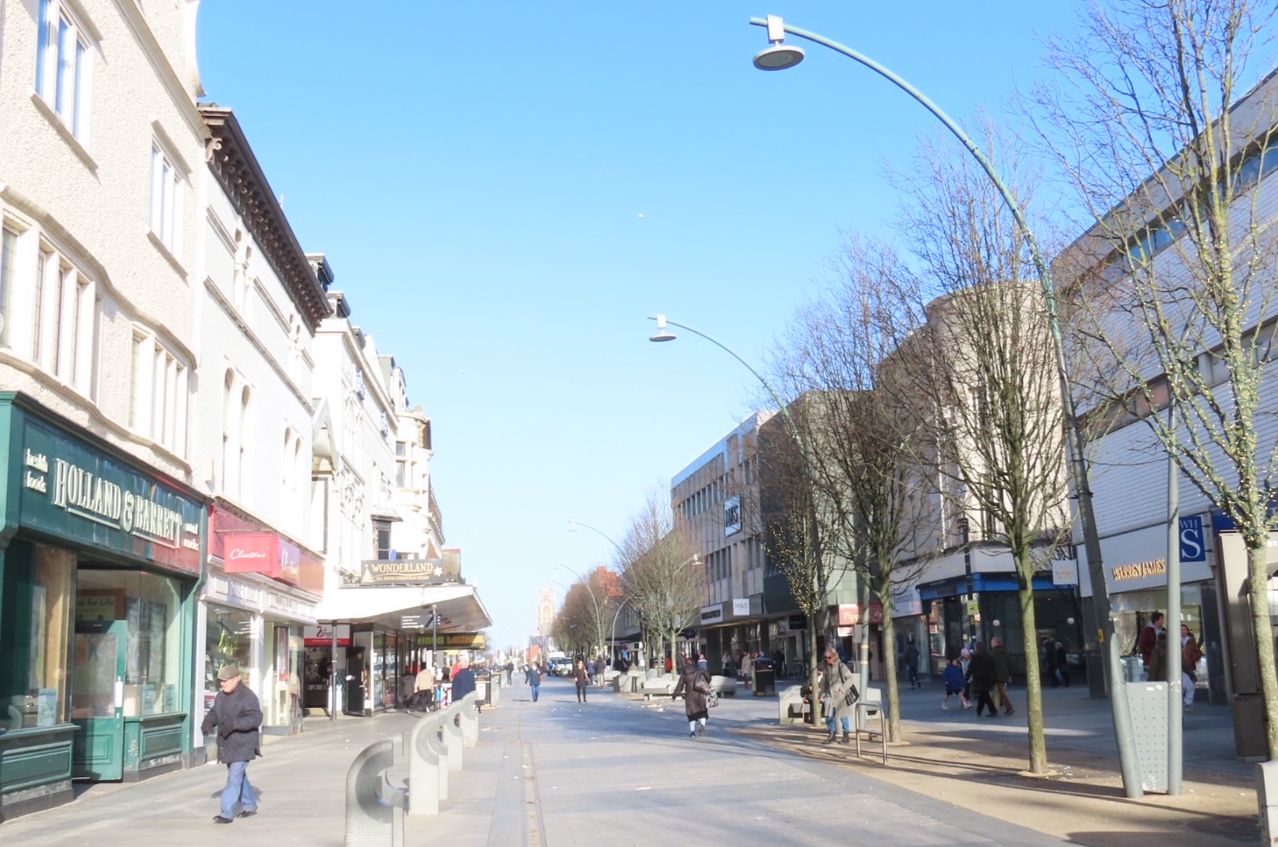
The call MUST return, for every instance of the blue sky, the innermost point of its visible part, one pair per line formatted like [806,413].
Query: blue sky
[506,190]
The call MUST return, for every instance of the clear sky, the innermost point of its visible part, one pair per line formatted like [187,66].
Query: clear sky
[506,190]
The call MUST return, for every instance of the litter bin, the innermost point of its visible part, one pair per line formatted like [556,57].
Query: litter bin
[1133,669]
[482,684]
[764,681]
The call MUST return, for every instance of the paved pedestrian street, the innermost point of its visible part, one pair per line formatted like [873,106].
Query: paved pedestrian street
[614,771]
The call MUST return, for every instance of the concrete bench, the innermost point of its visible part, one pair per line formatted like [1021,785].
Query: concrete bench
[658,686]
[790,705]
[724,686]
[427,766]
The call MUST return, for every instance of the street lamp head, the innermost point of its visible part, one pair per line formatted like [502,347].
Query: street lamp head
[777,56]
[663,334]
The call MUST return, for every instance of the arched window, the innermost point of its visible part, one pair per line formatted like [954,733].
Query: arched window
[230,450]
[244,441]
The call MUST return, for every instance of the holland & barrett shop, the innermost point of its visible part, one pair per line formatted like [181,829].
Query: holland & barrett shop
[99,558]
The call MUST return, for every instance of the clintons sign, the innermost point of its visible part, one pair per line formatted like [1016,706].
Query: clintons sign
[261,552]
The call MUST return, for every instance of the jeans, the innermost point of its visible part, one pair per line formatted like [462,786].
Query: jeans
[536,689]
[830,721]
[238,791]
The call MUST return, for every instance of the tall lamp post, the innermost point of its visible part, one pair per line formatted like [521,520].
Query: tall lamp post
[779,56]
[664,334]
[573,526]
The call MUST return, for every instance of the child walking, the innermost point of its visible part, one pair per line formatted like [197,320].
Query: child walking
[953,677]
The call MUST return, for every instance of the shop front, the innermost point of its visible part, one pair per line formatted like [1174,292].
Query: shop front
[962,610]
[261,591]
[99,559]
[729,629]
[1135,567]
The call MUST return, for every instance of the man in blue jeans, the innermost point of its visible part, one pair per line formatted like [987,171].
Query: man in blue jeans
[237,716]
[836,681]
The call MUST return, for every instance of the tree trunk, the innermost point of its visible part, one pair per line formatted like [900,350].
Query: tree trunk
[1258,585]
[1033,682]
[889,666]
[814,696]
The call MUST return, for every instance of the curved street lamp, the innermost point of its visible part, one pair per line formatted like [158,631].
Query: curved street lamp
[777,57]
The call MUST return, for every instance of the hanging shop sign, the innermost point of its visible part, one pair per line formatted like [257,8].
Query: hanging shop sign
[73,490]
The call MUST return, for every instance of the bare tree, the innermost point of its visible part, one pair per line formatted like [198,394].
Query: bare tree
[984,364]
[861,431]
[1174,300]
[662,578]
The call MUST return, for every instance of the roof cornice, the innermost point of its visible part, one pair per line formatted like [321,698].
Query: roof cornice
[237,170]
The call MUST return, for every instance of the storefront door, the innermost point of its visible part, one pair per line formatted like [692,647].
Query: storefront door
[97,698]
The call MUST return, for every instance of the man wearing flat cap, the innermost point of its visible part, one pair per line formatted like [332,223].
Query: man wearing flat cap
[237,716]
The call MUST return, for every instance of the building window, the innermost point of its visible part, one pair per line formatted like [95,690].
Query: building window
[157,393]
[8,258]
[382,531]
[64,67]
[166,199]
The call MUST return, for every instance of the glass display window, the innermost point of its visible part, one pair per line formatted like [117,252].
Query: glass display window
[228,640]
[34,682]
[150,607]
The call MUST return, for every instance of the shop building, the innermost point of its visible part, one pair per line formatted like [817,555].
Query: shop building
[99,564]
[715,500]
[1152,243]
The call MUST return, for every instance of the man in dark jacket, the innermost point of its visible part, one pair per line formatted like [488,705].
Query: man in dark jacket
[237,716]
[1002,674]
[463,681]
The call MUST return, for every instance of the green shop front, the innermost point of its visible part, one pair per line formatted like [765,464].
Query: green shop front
[99,562]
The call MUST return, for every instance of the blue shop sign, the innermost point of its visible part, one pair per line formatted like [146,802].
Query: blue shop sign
[1193,541]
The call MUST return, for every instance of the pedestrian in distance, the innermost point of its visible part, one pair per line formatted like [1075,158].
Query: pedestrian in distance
[424,688]
[1158,659]
[747,668]
[1062,664]
[534,680]
[1002,674]
[510,671]
[695,688]
[980,673]
[912,662]
[1050,669]
[837,681]
[1148,640]
[1190,653]
[237,716]
[953,677]
[965,660]
[463,679]
[581,677]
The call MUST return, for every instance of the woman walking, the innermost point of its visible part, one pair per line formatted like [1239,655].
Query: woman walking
[695,688]
[581,676]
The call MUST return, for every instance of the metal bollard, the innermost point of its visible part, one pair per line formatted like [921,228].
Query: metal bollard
[1267,797]
[427,768]
[452,734]
[374,808]
[468,719]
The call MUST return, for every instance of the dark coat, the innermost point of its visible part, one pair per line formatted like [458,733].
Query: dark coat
[980,672]
[463,684]
[694,700]
[1002,668]
[237,716]
[581,676]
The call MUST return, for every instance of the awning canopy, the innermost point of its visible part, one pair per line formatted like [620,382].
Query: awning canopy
[458,606]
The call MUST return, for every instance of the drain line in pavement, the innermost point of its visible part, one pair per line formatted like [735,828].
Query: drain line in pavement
[534,826]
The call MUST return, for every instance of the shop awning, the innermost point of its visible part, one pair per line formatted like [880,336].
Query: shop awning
[458,606]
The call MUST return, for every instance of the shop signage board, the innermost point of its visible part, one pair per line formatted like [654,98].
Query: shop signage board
[267,553]
[455,641]
[1193,541]
[71,489]
[408,572]
[321,635]
[712,614]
